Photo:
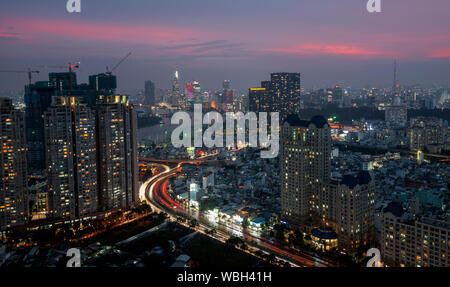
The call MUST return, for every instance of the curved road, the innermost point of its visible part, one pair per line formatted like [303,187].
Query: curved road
[154,191]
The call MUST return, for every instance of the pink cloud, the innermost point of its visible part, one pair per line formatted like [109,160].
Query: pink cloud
[159,39]
[328,49]
[441,53]
[9,35]
[35,29]
[152,39]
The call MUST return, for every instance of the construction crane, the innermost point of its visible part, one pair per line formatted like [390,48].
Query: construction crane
[71,68]
[108,72]
[29,72]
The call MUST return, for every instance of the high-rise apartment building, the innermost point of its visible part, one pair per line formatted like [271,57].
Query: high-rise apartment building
[63,81]
[414,240]
[117,153]
[426,133]
[347,205]
[396,115]
[71,158]
[38,97]
[285,91]
[13,168]
[310,198]
[305,162]
[103,83]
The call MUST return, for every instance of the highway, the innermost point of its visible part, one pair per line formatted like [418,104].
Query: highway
[154,192]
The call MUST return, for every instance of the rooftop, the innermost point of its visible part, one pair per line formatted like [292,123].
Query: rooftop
[318,121]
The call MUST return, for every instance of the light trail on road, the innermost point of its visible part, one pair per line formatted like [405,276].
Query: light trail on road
[156,195]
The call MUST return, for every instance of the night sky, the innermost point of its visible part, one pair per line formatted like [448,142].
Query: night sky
[329,41]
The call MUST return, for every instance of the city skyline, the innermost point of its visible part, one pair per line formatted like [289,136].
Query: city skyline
[196,37]
[264,133]
[321,195]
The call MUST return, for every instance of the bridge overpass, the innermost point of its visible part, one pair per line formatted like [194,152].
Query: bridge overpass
[178,161]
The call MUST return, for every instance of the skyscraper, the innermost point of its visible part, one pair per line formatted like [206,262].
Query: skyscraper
[104,83]
[38,98]
[149,93]
[336,95]
[13,168]
[189,92]
[71,158]
[258,100]
[285,90]
[177,97]
[322,96]
[63,81]
[227,96]
[280,94]
[117,153]
[196,89]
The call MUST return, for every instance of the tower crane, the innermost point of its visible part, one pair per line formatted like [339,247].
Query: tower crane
[29,72]
[109,73]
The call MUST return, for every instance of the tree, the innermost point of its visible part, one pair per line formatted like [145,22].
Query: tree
[146,207]
[245,223]
[43,235]
[193,223]
[163,215]
[259,253]
[291,238]
[298,240]
[234,241]
[243,245]
[271,258]
[279,233]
